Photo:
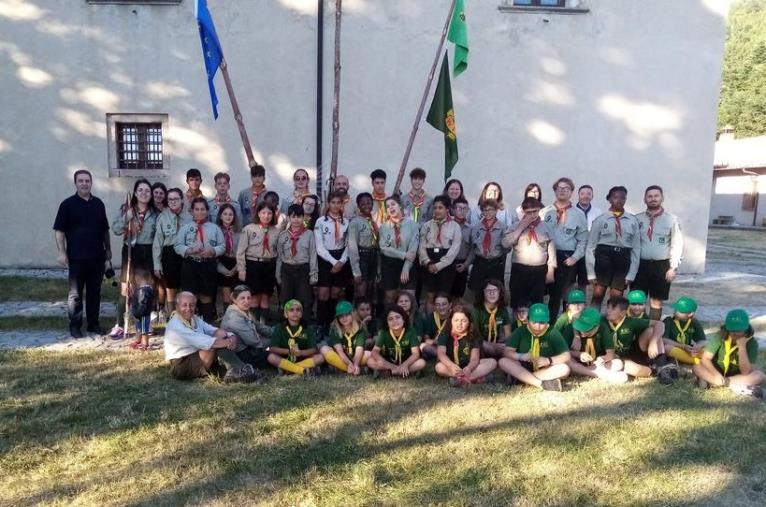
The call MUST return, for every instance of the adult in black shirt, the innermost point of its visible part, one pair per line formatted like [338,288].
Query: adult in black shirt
[82,239]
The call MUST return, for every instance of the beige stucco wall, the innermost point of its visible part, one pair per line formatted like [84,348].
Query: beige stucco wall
[727,197]
[625,94]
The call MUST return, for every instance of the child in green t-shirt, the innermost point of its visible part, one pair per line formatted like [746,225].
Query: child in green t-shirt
[684,335]
[637,304]
[575,306]
[536,354]
[435,324]
[396,349]
[293,346]
[491,318]
[345,343]
[591,346]
[459,351]
[729,358]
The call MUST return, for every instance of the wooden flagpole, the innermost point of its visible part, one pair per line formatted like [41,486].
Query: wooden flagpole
[237,113]
[336,96]
[405,159]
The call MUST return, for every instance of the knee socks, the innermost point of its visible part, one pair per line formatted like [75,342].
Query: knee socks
[683,357]
[334,359]
[286,365]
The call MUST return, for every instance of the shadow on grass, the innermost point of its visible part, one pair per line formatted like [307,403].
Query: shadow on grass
[278,433]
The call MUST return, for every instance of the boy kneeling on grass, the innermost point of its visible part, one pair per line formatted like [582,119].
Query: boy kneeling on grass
[536,354]
[396,350]
[730,356]
[345,343]
[684,335]
[592,348]
[459,351]
[638,344]
[293,346]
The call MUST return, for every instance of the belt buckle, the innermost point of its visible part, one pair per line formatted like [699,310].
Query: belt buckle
[437,250]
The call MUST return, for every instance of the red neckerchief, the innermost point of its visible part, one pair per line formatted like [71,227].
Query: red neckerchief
[417,201]
[460,221]
[561,212]
[373,226]
[439,224]
[228,237]
[381,200]
[338,226]
[257,194]
[396,223]
[486,243]
[201,230]
[294,237]
[652,217]
[617,224]
[140,217]
[532,232]
[218,200]
[456,347]
[266,246]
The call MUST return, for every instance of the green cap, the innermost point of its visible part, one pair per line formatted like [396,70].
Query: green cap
[637,297]
[539,312]
[291,303]
[343,308]
[737,321]
[588,319]
[685,304]
[575,296]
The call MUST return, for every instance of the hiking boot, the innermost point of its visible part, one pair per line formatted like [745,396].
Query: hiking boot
[551,385]
[96,329]
[755,391]
[379,374]
[75,332]
[702,383]
[667,374]
[510,380]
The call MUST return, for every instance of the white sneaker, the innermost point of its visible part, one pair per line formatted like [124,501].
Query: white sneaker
[615,377]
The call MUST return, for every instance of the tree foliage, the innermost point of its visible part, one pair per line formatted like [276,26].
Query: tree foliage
[743,89]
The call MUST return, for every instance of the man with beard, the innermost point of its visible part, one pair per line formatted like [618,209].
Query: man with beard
[340,186]
[662,245]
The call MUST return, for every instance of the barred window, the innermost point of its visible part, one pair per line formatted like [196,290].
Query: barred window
[139,145]
[539,3]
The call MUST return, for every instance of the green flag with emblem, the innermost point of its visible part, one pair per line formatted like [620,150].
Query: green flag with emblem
[458,35]
[441,116]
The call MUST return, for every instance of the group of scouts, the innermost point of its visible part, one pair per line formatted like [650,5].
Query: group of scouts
[387,253]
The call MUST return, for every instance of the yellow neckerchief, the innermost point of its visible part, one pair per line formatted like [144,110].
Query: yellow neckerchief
[291,342]
[349,342]
[729,349]
[439,324]
[186,323]
[520,323]
[642,316]
[491,324]
[681,338]
[397,344]
[615,329]
[534,347]
[456,347]
[590,344]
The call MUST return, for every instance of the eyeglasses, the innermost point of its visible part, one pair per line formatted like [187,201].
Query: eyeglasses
[491,291]
[301,178]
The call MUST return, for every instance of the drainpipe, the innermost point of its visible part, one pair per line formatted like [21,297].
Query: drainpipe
[320,73]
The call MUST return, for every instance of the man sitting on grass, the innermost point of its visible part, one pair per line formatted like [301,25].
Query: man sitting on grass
[536,354]
[730,356]
[193,346]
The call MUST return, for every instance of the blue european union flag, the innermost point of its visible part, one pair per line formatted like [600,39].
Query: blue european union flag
[211,49]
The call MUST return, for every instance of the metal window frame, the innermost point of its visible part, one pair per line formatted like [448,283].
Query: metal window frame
[113,148]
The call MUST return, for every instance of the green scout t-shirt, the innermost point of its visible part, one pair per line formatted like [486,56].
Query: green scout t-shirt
[432,328]
[394,352]
[462,355]
[284,335]
[516,324]
[348,342]
[481,317]
[551,343]
[602,340]
[726,353]
[684,332]
[626,333]
[562,322]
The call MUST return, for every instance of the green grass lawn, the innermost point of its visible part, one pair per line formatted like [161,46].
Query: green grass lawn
[20,288]
[105,428]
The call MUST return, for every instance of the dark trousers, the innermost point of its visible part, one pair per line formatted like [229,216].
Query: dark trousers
[84,274]
[563,282]
[295,285]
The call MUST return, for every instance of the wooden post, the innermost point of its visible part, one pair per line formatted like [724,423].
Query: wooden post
[405,159]
[237,114]
[320,79]
[336,95]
